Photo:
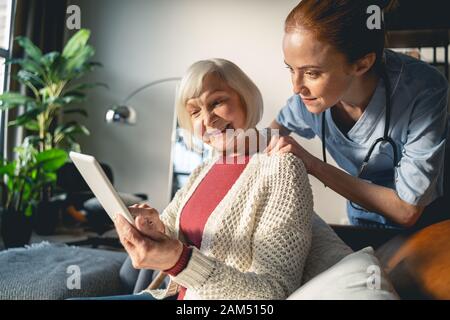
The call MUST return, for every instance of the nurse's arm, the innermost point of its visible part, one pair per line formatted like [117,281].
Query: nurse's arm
[370,196]
[382,200]
[283,131]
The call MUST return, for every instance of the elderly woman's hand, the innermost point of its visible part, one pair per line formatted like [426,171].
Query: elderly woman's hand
[146,215]
[148,248]
[285,144]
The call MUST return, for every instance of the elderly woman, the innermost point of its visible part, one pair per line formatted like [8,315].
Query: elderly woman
[240,228]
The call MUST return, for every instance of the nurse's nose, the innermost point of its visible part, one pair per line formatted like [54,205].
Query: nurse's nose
[298,85]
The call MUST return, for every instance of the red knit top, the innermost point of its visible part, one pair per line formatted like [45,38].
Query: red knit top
[211,190]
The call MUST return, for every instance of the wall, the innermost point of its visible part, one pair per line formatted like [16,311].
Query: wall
[141,40]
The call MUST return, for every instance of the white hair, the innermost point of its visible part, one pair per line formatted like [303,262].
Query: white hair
[192,83]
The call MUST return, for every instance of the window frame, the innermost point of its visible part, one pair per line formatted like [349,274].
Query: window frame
[6,54]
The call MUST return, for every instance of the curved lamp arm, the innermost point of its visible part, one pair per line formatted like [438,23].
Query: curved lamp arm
[126,114]
[148,85]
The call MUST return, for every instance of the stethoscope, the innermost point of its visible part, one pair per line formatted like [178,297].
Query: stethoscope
[384,138]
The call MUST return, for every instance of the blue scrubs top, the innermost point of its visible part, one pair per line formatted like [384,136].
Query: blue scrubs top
[418,126]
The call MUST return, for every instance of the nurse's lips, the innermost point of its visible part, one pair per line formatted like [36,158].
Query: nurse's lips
[308,100]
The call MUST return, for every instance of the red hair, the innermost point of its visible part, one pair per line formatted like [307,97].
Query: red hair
[342,24]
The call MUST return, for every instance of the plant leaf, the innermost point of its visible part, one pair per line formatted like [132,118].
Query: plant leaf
[8,168]
[13,99]
[32,125]
[29,211]
[76,62]
[52,159]
[30,49]
[26,117]
[13,60]
[75,129]
[26,76]
[78,111]
[49,59]
[88,67]
[75,97]
[31,66]
[85,86]
[33,139]
[76,43]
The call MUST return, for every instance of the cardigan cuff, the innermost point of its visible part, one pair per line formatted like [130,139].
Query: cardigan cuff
[181,263]
[197,271]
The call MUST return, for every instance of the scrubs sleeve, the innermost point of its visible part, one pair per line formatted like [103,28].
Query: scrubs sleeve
[293,116]
[419,175]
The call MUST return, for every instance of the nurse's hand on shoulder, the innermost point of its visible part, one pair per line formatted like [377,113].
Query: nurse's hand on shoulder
[148,248]
[287,144]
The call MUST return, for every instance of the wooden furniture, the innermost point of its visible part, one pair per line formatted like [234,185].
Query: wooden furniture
[418,264]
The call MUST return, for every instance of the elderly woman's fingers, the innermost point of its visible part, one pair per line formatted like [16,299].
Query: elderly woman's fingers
[145,225]
[138,211]
[151,214]
[127,232]
[148,227]
[144,205]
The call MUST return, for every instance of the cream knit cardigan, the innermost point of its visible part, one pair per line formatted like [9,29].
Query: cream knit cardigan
[256,240]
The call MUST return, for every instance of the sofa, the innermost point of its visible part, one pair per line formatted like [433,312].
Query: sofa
[413,266]
[416,261]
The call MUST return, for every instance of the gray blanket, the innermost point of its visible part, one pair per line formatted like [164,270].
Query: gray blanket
[57,271]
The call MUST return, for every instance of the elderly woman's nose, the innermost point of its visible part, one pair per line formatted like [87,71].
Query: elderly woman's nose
[209,118]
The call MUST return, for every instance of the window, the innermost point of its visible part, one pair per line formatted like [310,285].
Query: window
[5,38]
[6,22]
[186,160]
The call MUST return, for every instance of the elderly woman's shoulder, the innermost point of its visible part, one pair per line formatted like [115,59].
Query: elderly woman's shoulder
[281,164]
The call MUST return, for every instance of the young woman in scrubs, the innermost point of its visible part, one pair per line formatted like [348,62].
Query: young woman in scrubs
[350,91]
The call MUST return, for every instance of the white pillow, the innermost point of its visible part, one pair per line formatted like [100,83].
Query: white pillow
[358,276]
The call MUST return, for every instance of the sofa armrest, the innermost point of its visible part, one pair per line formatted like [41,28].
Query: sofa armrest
[357,237]
[418,264]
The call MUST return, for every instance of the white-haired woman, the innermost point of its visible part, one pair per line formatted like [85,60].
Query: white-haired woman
[237,229]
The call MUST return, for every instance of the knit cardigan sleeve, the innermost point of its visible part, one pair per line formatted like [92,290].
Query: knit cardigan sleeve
[280,243]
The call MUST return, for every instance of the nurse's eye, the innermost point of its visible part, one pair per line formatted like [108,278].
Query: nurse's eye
[312,74]
[290,69]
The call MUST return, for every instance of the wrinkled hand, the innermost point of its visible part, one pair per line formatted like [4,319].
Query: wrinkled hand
[147,217]
[287,144]
[147,247]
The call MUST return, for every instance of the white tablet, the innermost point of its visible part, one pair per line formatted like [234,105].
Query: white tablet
[100,185]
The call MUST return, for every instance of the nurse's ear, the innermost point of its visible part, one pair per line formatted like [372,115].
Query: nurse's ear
[362,65]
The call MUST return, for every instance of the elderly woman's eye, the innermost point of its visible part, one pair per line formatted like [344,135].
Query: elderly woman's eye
[194,113]
[217,103]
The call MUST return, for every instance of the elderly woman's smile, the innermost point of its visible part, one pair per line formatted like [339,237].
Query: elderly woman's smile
[215,110]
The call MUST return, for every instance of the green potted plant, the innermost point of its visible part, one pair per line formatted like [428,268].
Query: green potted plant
[52,80]
[23,180]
